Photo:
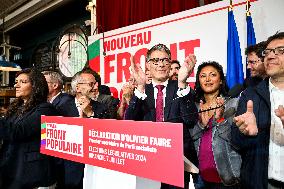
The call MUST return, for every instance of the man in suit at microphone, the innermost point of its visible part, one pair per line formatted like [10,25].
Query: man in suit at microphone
[259,126]
[164,99]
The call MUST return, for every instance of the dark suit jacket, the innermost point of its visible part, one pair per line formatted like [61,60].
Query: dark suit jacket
[22,165]
[254,150]
[176,110]
[74,171]
[61,103]
[252,81]
[111,103]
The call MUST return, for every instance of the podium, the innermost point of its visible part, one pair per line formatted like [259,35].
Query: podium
[101,178]
[118,154]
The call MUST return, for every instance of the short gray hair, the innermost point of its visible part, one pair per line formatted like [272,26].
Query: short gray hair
[74,82]
[55,77]
[158,47]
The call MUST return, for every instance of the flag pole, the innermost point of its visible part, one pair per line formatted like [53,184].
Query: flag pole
[231,6]
[248,7]
[234,73]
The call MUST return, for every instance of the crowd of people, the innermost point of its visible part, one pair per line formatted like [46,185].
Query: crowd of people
[235,142]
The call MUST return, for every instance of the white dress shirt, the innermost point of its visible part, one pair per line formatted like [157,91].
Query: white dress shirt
[52,99]
[143,96]
[276,143]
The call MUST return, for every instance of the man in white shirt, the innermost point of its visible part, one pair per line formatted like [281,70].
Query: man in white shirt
[260,123]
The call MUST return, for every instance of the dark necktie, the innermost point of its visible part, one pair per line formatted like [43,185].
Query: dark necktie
[160,103]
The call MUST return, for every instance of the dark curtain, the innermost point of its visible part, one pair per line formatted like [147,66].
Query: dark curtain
[113,14]
[209,1]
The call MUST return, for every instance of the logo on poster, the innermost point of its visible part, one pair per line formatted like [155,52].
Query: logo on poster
[63,138]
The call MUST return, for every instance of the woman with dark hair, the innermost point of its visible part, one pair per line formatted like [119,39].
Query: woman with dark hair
[219,164]
[22,165]
[222,88]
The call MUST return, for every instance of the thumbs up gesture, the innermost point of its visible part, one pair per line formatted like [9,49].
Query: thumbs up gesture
[247,121]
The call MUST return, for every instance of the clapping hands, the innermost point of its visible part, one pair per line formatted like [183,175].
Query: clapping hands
[138,75]
[217,113]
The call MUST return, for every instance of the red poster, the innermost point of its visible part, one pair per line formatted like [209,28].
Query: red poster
[142,148]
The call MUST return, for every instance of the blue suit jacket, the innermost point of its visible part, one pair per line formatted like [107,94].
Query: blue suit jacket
[254,150]
[62,103]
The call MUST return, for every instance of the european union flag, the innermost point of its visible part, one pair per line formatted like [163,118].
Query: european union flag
[235,72]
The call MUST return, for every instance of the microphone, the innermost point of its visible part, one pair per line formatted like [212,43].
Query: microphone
[233,92]
[229,112]
[236,90]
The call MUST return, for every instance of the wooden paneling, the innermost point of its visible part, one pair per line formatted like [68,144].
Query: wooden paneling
[5,96]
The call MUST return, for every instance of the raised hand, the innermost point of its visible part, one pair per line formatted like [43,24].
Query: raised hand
[280,113]
[186,69]
[138,75]
[247,121]
[204,116]
[220,111]
[85,106]
[127,92]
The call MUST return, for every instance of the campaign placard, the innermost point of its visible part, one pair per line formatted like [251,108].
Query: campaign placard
[202,31]
[142,148]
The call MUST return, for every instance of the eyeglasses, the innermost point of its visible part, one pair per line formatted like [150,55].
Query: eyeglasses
[276,51]
[253,62]
[91,84]
[156,61]
[21,82]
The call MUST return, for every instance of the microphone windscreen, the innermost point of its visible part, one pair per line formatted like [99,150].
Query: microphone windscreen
[229,112]
[235,91]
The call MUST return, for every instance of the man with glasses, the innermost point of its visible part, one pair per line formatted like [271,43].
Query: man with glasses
[84,85]
[96,95]
[259,123]
[255,64]
[164,100]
